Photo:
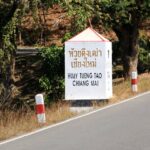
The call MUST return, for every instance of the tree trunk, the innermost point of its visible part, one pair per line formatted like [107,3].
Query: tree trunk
[128,37]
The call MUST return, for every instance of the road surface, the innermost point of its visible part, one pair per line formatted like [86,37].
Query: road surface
[122,127]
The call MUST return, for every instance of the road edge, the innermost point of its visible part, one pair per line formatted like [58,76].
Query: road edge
[72,119]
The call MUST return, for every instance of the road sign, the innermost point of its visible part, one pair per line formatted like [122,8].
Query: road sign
[88,67]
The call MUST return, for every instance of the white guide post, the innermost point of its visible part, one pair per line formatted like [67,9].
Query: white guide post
[40,108]
[134,81]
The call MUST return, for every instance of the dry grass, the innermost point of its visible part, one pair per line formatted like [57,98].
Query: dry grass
[122,89]
[17,123]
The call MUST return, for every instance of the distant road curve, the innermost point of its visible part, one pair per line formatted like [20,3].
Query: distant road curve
[124,126]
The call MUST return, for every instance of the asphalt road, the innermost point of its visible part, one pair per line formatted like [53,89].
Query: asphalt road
[121,127]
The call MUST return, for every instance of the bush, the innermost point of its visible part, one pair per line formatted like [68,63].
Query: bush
[144,54]
[52,81]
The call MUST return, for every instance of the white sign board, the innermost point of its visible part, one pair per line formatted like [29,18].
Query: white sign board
[88,67]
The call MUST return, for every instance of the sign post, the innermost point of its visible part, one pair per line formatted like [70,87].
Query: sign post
[88,67]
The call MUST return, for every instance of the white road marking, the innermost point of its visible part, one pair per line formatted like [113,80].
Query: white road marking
[72,119]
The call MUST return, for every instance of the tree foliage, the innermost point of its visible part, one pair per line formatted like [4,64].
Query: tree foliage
[11,14]
[144,54]
[80,13]
[8,20]
[52,81]
[125,18]
[121,12]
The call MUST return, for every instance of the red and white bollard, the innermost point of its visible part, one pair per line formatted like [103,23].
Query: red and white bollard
[134,81]
[40,108]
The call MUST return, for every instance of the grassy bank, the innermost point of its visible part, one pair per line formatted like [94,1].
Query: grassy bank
[17,123]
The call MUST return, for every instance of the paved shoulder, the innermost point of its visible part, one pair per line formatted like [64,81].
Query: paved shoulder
[122,127]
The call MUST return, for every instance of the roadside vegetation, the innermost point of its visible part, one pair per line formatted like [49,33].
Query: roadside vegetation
[20,122]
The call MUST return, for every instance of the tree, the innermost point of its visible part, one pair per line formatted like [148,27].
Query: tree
[8,15]
[125,18]
[11,14]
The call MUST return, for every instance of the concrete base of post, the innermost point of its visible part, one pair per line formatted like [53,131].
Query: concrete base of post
[41,118]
